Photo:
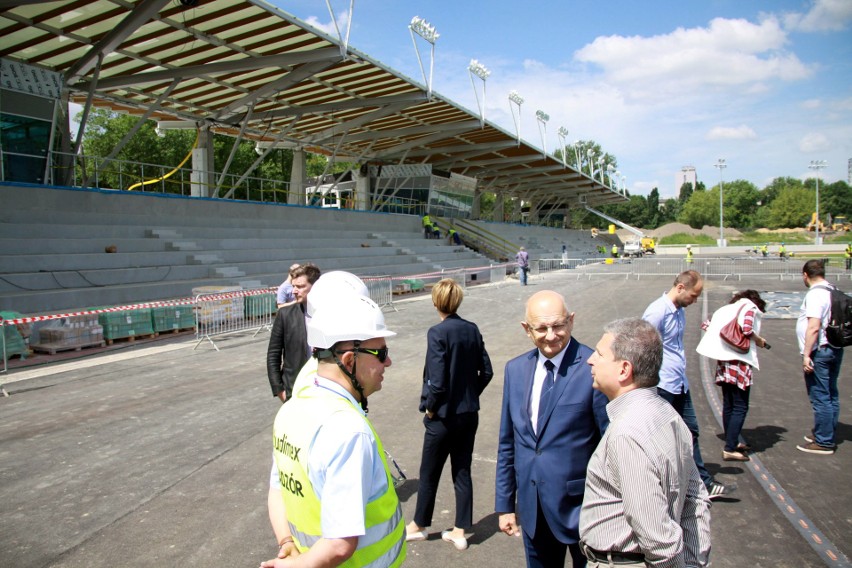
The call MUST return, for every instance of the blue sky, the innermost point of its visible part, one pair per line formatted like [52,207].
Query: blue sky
[766,85]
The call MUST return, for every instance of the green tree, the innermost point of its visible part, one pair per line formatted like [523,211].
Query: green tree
[701,209]
[685,193]
[791,208]
[741,198]
[653,215]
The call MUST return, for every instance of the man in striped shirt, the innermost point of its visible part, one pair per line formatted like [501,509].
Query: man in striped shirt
[645,504]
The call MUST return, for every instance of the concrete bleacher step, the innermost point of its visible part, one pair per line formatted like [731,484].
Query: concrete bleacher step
[163,234]
[226,272]
[182,245]
[203,259]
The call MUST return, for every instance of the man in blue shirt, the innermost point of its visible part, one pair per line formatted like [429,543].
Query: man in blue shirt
[667,315]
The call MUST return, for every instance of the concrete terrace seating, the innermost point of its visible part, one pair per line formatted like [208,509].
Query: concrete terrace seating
[546,242]
[53,246]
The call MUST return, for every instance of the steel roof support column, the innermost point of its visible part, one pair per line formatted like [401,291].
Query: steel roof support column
[499,198]
[296,195]
[201,178]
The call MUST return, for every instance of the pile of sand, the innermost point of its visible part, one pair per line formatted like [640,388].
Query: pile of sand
[675,228]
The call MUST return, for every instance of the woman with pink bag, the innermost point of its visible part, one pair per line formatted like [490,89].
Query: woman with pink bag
[732,337]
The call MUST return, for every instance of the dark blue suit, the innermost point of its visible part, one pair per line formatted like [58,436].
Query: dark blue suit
[547,472]
[457,370]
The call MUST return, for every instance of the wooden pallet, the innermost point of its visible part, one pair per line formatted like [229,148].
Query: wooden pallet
[54,348]
[176,330]
[132,338]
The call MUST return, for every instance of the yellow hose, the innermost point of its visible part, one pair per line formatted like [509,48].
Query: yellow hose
[171,173]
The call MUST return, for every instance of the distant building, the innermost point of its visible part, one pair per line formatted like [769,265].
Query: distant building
[849,172]
[686,175]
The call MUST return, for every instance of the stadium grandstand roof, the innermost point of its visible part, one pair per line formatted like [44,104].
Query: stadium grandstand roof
[246,68]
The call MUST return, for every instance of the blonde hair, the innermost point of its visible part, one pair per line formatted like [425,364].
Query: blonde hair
[447,296]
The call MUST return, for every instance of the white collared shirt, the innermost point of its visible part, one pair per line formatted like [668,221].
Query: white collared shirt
[538,378]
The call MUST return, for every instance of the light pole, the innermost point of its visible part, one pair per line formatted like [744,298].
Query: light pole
[542,117]
[720,163]
[817,165]
[516,100]
[477,69]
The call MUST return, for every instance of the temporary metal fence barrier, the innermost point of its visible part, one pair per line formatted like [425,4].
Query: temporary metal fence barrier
[233,312]
[716,267]
[457,274]
[497,273]
[381,290]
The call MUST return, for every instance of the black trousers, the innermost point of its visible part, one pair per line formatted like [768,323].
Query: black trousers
[451,437]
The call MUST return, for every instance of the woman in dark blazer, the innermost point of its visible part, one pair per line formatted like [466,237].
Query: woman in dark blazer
[457,370]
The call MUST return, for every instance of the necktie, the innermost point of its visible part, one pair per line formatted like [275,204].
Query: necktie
[545,393]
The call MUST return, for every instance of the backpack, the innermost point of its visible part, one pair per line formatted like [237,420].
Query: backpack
[839,330]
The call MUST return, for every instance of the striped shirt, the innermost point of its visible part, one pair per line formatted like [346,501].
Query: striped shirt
[643,493]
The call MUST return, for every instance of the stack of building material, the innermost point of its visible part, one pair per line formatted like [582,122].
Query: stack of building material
[72,332]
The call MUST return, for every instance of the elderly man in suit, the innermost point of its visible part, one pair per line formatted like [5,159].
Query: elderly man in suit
[551,423]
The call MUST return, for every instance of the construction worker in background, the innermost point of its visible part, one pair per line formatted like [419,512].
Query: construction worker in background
[689,254]
[453,236]
[614,250]
[427,226]
[764,250]
[848,255]
[782,251]
[339,496]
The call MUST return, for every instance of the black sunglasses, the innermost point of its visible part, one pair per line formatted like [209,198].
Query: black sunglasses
[381,353]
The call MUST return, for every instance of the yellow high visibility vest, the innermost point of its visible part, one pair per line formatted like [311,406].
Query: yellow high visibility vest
[296,424]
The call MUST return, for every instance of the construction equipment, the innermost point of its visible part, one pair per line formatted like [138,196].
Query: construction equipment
[639,246]
[811,226]
[841,223]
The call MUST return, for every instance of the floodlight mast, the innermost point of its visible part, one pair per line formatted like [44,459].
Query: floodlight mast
[542,118]
[516,100]
[720,163]
[422,28]
[478,69]
[817,165]
[344,41]
[590,154]
[562,134]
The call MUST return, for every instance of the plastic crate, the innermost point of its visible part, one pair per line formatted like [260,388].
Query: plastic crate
[126,323]
[15,344]
[170,318]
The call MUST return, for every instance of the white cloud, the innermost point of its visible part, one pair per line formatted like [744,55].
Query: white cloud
[741,132]
[814,142]
[728,54]
[811,103]
[824,15]
[329,27]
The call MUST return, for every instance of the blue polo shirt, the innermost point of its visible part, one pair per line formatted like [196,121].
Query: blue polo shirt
[670,321]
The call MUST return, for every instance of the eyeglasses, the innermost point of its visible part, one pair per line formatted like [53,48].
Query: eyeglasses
[556,328]
[381,353]
[400,477]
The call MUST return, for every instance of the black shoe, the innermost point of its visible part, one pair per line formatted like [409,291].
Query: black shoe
[716,489]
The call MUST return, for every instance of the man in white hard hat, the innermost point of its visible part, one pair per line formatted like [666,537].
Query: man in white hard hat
[330,287]
[338,491]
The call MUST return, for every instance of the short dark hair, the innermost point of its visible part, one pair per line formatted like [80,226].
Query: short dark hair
[813,268]
[309,270]
[638,342]
[752,295]
[689,278]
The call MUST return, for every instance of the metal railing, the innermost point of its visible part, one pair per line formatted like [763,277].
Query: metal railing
[233,312]
[726,268]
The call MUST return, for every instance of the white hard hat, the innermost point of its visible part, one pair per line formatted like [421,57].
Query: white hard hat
[689,246]
[347,318]
[333,285]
